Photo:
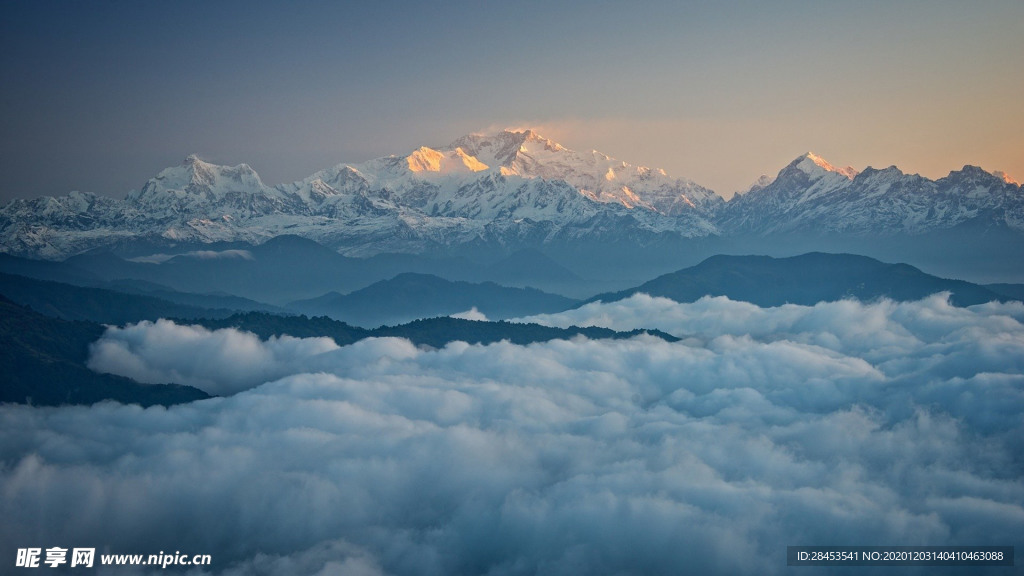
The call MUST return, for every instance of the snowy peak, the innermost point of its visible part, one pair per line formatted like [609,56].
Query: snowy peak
[504,148]
[815,167]
[199,200]
[199,172]
[597,176]
[196,177]
[457,161]
[976,177]
[531,139]
[527,153]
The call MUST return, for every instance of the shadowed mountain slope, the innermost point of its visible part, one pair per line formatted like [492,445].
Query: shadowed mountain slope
[806,279]
[411,296]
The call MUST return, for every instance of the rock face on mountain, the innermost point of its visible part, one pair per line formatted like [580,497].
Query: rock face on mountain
[505,192]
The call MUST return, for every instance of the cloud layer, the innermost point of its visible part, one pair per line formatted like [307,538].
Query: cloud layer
[842,423]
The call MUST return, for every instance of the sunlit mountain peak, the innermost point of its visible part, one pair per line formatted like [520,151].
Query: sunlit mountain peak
[527,154]
[456,161]
[811,163]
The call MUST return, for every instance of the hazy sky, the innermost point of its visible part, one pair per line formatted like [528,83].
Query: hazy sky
[100,96]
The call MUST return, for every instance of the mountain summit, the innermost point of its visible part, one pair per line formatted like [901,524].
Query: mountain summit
[198,181]
[425,160]
[816,166]
[597,176]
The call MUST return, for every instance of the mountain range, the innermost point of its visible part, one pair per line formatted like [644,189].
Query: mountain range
[485,197]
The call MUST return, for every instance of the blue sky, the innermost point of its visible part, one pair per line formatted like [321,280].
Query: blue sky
[99,96]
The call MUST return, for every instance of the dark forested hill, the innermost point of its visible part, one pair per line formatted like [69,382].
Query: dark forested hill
[434,332]
[43,362]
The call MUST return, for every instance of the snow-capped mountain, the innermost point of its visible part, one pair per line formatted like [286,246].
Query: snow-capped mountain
[197,187]
[507,189]
[503,191]
[811,195]
[595,175]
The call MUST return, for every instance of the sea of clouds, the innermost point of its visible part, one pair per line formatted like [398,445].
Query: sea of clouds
[838,424]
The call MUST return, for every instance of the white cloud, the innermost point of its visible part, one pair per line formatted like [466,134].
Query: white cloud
[841,423]
[199,254]
[220,254]
[471,314]
[219,362]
